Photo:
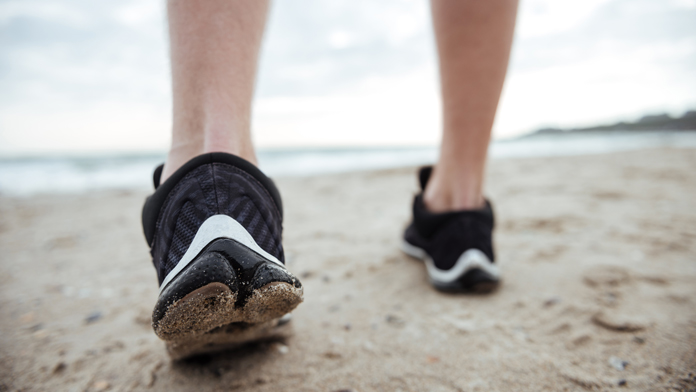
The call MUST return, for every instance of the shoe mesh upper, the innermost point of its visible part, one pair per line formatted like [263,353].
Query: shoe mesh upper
[210,189]
[445,236]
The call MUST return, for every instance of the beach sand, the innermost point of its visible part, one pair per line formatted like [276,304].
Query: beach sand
[599,291]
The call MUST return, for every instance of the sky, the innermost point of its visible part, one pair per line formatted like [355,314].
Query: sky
[86,77]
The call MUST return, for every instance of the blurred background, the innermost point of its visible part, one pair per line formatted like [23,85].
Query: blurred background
[343,85]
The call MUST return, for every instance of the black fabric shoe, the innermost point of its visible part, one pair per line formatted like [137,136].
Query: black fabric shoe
[457,246]
[214,229]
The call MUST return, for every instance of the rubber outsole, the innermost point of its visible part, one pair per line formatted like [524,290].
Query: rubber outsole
[474,280]
[228,295]
[207,320]
[229,337]
[213,306]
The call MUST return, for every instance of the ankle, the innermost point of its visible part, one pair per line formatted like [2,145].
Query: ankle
[452,194]
[439,203]
[181,153]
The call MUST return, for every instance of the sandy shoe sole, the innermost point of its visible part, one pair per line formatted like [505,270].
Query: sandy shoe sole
[229,337]
[213,306]
[227,283]
[198,312]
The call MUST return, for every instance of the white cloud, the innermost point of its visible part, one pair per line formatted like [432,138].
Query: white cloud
[622,85]
[341,39]
[104,126]
[141,12]
[406,22]
[64,13]
[688,4]
[76,66]
[398,110]
[544,17]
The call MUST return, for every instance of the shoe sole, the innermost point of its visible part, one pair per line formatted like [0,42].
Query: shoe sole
[207,320]
[229,337]
[225,295]
[473,271]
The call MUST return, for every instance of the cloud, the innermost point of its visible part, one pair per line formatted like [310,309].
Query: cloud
[546,17]
[67,14]
[345,71]
[316,47]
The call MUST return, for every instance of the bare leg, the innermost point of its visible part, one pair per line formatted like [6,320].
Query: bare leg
[214,52]
[473,40]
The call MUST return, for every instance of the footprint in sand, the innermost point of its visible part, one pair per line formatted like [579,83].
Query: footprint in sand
[606,276]
[608,282]
[618,322]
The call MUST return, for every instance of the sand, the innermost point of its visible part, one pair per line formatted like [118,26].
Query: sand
[599,292]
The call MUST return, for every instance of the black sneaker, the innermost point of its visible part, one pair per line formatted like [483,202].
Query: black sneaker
[457,246]
[214,229]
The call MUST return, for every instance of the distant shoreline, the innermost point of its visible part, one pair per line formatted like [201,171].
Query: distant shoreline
[658,122]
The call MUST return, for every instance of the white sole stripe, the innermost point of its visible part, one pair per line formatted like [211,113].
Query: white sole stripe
[470,259]
[217,226]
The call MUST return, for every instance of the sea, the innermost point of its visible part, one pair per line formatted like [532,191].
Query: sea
[79,173]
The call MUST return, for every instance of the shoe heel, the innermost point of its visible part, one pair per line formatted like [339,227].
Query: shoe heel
[200,299]
[268,290]
[274,293]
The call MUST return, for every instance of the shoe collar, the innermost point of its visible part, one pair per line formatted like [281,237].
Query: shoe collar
[154,203]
